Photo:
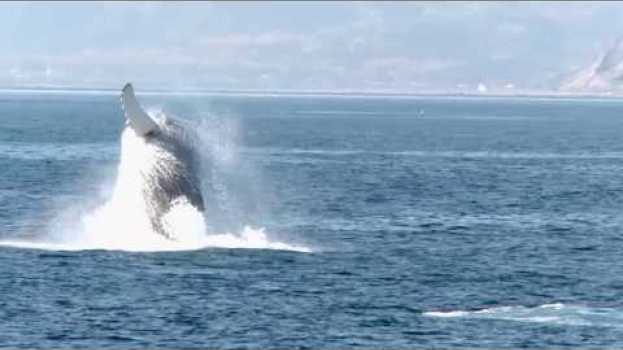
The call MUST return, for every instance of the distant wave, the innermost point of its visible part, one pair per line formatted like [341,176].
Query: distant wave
[349,112]
[442,154]
[511,155]
[59,91]
[417,220]
[410,114]
[59,151]
[110,151]
[557,313]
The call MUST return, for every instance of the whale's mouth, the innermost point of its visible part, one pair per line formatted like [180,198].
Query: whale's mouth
[123,220]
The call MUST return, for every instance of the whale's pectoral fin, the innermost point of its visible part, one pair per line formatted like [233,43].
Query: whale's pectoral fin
[138,119]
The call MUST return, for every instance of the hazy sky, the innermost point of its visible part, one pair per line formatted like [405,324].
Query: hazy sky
[301,46]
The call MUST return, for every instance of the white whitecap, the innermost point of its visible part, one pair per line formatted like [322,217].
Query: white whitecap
[555,313]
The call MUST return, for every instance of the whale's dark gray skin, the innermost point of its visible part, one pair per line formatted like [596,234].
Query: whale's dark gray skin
[173,175]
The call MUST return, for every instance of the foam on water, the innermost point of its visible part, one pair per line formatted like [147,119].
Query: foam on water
[249,238]
[557,313]
[122,221]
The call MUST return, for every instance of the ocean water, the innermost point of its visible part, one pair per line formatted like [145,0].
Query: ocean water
[331,222]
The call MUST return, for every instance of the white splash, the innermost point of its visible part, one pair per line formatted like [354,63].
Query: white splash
[558,314]
[123,223]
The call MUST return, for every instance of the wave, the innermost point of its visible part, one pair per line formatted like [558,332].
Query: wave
[106,151]
[417,114]
[440,154]
[98,151]
[557,313]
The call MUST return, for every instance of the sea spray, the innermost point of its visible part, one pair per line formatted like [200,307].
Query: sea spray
[238,195]
[122,222]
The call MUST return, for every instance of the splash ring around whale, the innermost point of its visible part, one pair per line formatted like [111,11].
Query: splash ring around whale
[156,202]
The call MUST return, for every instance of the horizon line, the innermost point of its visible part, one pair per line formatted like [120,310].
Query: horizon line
[312,92]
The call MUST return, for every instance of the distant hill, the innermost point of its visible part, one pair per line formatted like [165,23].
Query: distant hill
[604,75]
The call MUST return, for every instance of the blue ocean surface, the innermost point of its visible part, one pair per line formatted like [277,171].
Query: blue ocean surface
[331,222]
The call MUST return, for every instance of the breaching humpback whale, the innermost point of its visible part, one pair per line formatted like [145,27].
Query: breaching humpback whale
[172,173]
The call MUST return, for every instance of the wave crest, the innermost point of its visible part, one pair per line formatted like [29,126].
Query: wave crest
[557,313]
